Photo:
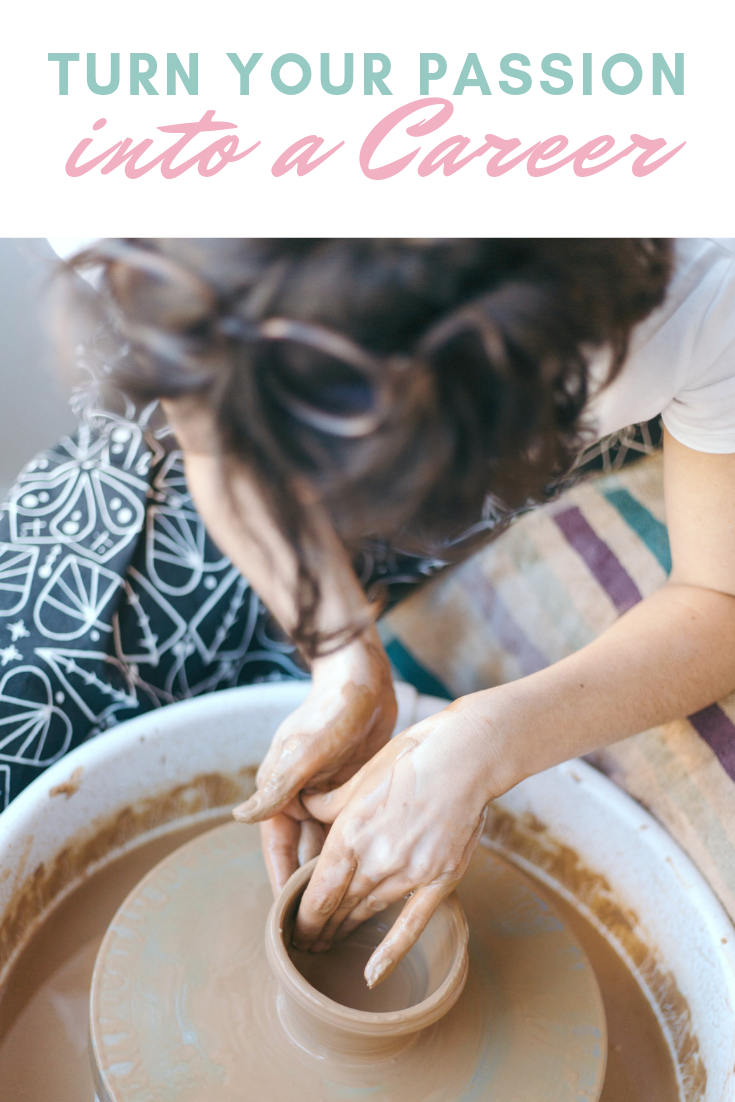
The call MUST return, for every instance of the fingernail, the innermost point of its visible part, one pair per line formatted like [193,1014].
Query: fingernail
[300,946]
[375,972]
[320,946]
[245,812]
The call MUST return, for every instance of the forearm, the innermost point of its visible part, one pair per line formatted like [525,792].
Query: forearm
[671,655]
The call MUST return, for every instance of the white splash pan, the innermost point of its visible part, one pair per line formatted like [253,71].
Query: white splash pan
[221,733]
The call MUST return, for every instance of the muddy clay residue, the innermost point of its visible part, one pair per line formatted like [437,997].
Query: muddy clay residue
[48,882]
[44,1008]
[527,838]
[640,1067]
[46,995]
[68,788]
[185,1005]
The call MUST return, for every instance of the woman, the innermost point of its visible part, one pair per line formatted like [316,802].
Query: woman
[329,392]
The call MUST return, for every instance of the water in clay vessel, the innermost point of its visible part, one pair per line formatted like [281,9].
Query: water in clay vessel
[185,1006]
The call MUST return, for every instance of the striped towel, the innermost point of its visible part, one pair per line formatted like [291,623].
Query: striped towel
[549,585]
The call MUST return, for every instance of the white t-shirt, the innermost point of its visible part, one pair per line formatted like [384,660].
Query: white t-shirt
[681,362]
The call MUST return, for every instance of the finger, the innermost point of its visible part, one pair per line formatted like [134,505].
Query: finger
[272,796]
[419,908]
[383,895]
[326,806]
[398,886]
[290,764]
[279,838]
[360,888]
[406,931]
[295,809]
[322,897]
[311,840]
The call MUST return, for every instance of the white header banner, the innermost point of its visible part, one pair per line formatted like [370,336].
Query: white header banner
[398,117]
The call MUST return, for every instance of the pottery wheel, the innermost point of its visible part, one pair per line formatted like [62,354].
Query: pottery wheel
[184,1007]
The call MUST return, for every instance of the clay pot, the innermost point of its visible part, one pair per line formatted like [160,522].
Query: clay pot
[419,992]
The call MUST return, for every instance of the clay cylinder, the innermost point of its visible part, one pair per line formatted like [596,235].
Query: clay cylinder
[326,1006]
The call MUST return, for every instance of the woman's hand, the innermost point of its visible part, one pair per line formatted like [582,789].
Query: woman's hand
[346,718]
[407,822]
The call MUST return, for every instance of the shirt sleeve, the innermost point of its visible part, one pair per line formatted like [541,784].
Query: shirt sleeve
[703,417]
[701,413]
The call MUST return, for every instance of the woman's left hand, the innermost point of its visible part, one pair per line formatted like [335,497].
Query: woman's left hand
[407,822]
[347,717]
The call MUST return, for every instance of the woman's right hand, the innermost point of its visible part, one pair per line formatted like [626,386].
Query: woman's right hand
[404,828]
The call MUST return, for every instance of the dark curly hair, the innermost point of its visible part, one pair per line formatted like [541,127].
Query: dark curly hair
[406,380]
